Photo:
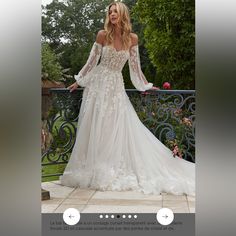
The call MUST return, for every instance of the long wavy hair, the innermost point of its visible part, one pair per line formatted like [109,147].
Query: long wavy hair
[123,23]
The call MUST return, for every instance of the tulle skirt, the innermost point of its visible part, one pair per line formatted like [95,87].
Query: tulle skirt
[115,151]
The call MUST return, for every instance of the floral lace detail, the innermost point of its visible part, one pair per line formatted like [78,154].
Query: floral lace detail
[113,149]
[121,177]
[105,90]
[106,96]
[113,60]
[136,75]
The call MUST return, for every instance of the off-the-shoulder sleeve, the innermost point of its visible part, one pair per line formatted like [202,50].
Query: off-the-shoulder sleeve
[82,77]
[136,75]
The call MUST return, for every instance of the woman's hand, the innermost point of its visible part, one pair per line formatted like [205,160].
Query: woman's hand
[155,88]
[73,87]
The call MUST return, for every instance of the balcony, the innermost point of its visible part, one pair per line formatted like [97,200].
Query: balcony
[168,114]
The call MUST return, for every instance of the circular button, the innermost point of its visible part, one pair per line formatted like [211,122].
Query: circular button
[71,216]
[165,216]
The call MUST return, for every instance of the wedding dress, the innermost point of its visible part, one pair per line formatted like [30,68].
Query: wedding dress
[113,149]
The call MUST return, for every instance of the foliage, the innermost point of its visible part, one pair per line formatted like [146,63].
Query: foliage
[52,169]
[170,39]
[182,126]
[172,125]
[165,29]
[51,68]
[70,28]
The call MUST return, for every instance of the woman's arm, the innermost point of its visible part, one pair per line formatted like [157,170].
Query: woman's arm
[82,77]
[136,75]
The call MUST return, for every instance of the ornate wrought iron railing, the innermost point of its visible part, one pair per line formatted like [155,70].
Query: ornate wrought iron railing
[169,115]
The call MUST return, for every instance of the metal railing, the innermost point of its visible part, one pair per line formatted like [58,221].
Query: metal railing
[168,114]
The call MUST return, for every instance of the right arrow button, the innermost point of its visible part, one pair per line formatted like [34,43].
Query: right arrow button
[165,216]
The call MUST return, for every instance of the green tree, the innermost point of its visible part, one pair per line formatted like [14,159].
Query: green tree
[169,33]
[147,67]
[51,68]
[70,27]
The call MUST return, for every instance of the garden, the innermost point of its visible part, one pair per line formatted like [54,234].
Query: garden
[166,31]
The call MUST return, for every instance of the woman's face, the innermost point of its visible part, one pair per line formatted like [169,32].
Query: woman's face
[113,15]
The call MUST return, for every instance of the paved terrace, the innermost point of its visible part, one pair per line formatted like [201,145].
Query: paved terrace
[92,201]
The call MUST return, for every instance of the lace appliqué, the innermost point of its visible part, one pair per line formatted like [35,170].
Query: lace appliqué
[114,151]
[113,60]
[104,104]
[106,90]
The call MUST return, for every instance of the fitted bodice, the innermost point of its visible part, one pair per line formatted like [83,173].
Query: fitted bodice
[112,62]
[112,59]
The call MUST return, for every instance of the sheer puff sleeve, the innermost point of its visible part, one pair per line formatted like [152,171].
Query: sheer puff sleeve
[136,75]
[82,78]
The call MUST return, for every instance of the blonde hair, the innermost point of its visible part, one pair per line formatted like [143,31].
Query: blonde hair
[123,23]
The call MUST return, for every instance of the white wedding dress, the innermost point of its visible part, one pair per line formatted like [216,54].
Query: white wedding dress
[113,149]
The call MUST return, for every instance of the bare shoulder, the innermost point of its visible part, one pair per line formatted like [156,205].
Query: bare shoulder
[101,36]
[134,39]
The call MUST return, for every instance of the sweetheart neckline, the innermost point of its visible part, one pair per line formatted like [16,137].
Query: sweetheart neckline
[114,49]
[123,50]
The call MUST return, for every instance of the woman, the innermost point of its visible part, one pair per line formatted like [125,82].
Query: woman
[113,149]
